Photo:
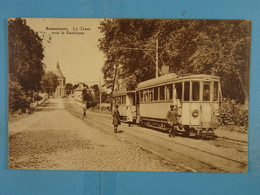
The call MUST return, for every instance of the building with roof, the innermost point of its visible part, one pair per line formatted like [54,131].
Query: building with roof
[60,90]
[78,91]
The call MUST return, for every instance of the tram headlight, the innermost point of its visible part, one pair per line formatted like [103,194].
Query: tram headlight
[195,113]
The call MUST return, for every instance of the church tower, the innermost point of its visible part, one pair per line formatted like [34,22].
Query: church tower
[60,90]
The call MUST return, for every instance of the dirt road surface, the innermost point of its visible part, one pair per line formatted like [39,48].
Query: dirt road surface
[53,138]
[214,155]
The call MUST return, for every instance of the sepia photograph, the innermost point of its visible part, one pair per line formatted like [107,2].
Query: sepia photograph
[104,94]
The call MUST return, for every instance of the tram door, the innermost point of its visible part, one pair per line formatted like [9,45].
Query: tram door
[195,104]
[191,103]
[186,103]
[178,99]
[131,101]
[206,105]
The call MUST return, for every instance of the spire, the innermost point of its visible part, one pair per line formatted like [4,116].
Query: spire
[58,71]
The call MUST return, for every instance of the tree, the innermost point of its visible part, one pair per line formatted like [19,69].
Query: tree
[49,83]
[215,47]
[96,94]
[17,97]
[87,97]
[187,46]
[25,55]
[105,97]
[69,88]
[120,35]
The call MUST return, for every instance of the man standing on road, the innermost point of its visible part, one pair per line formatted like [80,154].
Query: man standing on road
[116,118]
[172,120]
[84,112]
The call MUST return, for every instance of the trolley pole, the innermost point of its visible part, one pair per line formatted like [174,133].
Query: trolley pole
[157,66]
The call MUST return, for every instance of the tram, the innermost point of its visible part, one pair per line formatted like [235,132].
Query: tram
[124,98]
[196,97]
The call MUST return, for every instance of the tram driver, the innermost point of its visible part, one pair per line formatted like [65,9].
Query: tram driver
[172,120]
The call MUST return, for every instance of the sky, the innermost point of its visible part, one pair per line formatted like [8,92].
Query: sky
[78,55]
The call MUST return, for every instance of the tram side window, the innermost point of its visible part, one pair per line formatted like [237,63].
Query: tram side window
[118,101]
[162,93]
[141,96]
[195,91]
[169,92]
[123,99]
[178,87]
[206,92]
[187,91]
[137,98]
[215,91]
[146,96]
[150,95]
[133,96]
[155,93]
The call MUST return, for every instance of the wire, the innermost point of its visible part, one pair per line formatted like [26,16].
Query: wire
[132,48]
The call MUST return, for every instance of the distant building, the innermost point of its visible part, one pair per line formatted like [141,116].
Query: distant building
[60,91]
[78,91]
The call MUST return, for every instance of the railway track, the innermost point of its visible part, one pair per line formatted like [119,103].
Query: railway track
[209,161]
[235,141]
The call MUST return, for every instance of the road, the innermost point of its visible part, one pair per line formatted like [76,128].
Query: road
[217,155]
[53,138]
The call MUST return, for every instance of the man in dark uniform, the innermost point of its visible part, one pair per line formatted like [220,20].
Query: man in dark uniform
[116,118]
[84,112]
[172,120]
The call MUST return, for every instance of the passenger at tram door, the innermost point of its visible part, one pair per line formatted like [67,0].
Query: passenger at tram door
[129,115]
[206,95]
[116,118]
[172,120]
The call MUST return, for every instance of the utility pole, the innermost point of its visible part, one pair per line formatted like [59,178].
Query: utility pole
[156,59]
[100,100]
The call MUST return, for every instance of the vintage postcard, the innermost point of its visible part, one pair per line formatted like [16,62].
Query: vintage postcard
[163,95]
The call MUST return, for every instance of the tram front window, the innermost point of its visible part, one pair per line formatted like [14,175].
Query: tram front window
[162,93]
[187,91]
[169,92]
[206,92]
[155,93]
[178,87]
[215,91]
[195,91]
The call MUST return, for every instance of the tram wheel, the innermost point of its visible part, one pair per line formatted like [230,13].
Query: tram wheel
[141,123]
[187,131]
[199,135]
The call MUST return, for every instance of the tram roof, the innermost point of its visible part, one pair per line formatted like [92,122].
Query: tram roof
[173,77]
[121,92]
